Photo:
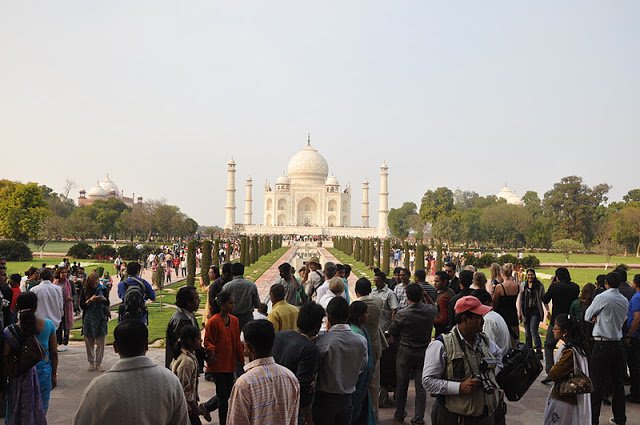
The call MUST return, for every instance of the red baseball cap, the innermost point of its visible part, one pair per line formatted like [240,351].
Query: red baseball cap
[472,304]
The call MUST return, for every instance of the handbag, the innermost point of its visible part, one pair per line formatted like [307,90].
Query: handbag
[25,355]
[520,369]
[576,383]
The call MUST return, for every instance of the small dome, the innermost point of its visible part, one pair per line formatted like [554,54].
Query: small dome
[332,181]
[97,191]
[308,164]
[510,196]
[283,180]
[108,185]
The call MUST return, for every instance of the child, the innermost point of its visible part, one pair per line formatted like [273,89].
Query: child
[224,350]
[14,281]
[185,367]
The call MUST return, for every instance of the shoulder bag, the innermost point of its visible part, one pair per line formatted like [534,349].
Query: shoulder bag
[576,383]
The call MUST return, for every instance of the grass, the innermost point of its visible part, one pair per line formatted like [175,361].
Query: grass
[89,265]
[53,246]
[554,257]
[357,267]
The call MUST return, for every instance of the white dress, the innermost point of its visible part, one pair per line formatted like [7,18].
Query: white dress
[558,412]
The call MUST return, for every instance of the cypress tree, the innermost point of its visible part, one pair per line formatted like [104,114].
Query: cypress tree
[406,255]
[216,253]
[372,245]
[191,263]
[386,256]
[377,253]
[420,257]
[243,250]
[356,253]
[205,263]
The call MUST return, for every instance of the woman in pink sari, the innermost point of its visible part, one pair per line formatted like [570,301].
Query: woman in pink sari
[62,280]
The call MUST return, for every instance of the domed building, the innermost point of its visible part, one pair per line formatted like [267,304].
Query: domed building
[510,196]
[306,200]
[105,189]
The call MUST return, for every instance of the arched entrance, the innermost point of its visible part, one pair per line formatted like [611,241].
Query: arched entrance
[307,212]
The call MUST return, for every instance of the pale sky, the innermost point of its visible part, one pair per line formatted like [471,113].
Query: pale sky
[463,94]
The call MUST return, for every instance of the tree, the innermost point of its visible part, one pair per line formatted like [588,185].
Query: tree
[504,223]
[540,232]
[82,225]
[402,219]
[419,265]
[632,196]
[191,263]
[106,215]
[436,204]
[52,227]
[608,247]
[448,228]
[625,227]
[386,254]
[22,209]
[567,247]
[205,263]
[573,207]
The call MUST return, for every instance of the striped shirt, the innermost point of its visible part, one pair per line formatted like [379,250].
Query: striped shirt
[266,394]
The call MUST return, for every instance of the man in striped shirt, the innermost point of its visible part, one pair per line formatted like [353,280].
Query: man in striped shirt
[267,393]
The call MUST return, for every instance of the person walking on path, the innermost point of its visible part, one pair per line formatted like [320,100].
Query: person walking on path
[388,298]
[134,279]
[95,317]
[283,315]
[532,310]
[244,293]
[441,281]
[61,278]
[505,297]
[188,302]
[609,311]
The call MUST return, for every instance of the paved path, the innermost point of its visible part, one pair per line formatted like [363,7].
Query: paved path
[272,274]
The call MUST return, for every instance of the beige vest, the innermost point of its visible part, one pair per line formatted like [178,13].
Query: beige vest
[462,363]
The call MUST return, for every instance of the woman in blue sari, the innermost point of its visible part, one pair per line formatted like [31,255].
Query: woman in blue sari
[362,413]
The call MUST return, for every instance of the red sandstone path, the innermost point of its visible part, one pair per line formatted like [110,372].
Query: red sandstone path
[272,274]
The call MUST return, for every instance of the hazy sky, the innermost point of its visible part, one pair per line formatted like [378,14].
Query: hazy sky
[471,94]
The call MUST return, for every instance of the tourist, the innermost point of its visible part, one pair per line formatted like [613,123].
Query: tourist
[244,293]
[183,267]
[563,409]
[461,398]
[532,310]
[362,407]
[464,282]
[401,288]
[412,327]
[283,315]
[33,279]
[14,283]
[341,272]
[609,310]
[388,298]
[454,282]
[430,291]
[336,289]
[267,393]
[187,303]
[224,350]
[168,272]
[378,341]
[50,299]
[496,277]
[561,293]
[184,365]
[315,278]
[494,325]
[104,400]
[261,312]
[625,288]
[296,351]
[343,356]
[330,271]
[116,264]
[95,317]
[26,402]
[632,342]
[290,284]
[441,281]
[176,265]
[600,284]
[396,257]
[61,278]
[579,306]
[396,278]
[134,279]
[479,281]
[7,295]
[505,298]
[215,287]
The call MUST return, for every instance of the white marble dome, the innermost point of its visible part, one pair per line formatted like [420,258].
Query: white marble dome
[308,164]
[97,191]
[332,181]
[108,185]
[510,196]
[283,180]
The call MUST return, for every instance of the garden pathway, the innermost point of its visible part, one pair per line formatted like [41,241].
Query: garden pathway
[272,274]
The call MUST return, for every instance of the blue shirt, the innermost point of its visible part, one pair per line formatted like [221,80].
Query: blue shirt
[634,307]
[610,308]
[149,292]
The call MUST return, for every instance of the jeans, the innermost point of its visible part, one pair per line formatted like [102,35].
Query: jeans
[531,328]
[331,409]
[62,333]
[549,345]
[633,360]
[224,383]
[409,364]
[606,370]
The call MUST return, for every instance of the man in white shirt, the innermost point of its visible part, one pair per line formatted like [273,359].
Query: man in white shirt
[494,325]
[330,270]
[50,298]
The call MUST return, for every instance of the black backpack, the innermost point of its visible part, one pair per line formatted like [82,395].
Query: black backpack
[520,368]
[133,305]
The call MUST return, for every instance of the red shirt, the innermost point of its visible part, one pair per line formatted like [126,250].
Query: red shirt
[225,342]
[16,291]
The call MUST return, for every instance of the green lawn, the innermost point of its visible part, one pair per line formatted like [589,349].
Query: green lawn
[357,267]
[54,246]
[551,257]
[89,265]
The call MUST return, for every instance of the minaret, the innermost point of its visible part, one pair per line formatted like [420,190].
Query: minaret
[383,208]
[231,196]
[248,201]
[365,203]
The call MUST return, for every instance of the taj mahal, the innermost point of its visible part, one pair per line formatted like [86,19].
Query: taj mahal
[307,201]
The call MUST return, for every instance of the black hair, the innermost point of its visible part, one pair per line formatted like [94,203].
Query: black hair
[26,304]
[259,334]
[15,278]
[338,311]
[185,296]
[133,268]
[46,274]
[536,281]
[613,279]
[227,268]
[622,271]
[187,333]
[381,275]
[237,269]
[466,278]
[277,291]
[284,267]
[575,336]
[339,267]
[216,271]
[636,280]
[563,275]
[131,336]
[443,275]
[414,292]
[347,270]
[263,308]
[223,298]
[310,317]
[600,279]
[356,310]
[407,272]
[421,275]
[450,265]
[465,314]
[397,270]
[363,286]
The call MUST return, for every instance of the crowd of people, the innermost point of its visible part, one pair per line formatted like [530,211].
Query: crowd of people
[318,355]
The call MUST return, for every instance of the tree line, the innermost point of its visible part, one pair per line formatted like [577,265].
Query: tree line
[32,212]
[571,215]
